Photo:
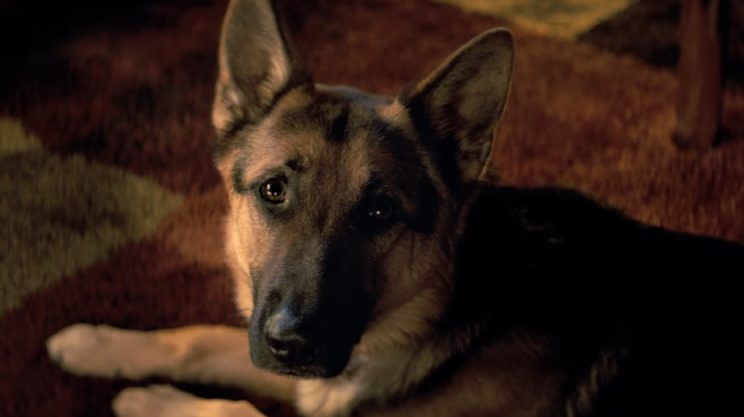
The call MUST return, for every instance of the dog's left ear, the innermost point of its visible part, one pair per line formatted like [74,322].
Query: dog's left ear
[456,108]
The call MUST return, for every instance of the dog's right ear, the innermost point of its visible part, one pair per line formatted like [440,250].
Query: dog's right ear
[257,64]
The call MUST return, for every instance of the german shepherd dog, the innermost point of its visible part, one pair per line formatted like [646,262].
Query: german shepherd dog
[382,276]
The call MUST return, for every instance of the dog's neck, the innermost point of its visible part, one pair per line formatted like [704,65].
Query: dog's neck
[385,366]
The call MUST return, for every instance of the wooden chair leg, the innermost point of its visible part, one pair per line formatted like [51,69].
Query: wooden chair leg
[699,102]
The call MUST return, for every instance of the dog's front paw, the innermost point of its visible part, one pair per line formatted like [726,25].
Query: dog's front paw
[153,401]
[83,349]
[166,401]
[102,351]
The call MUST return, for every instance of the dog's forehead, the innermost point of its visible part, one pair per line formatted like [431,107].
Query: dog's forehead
[333,132]
[351,146]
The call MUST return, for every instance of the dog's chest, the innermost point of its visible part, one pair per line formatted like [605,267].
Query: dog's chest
[502,380]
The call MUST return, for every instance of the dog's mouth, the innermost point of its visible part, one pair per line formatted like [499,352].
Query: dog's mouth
[307,371]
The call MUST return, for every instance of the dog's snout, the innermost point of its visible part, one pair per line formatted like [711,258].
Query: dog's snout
[283,336]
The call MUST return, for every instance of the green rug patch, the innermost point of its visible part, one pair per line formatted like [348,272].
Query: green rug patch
[13,138]
[60,214]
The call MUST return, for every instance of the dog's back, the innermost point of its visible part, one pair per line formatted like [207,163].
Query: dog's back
[663,307]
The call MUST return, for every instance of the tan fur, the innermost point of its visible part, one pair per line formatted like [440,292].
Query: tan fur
[166,401]
[243,226]
[502,380]
[204,354]
[246,231]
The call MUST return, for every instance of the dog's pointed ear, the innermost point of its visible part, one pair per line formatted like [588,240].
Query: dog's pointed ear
[457,107]
[257,63]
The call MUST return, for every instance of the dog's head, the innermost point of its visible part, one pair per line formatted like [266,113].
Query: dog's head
[343,205]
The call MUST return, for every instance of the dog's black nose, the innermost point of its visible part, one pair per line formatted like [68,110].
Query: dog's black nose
[283,338]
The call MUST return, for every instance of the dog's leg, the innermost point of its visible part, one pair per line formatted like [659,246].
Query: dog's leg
[205,354]
[166,401]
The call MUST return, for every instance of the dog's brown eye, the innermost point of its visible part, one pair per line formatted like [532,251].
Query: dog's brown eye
[375,214]
[274,190]
[380,210]
[379,213]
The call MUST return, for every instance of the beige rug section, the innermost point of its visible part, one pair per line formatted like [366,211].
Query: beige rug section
[61,214]
[560,18]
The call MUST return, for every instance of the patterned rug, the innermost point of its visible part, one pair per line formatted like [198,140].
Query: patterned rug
[110,209]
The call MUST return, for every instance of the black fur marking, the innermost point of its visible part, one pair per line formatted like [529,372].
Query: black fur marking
[592,280]
[427,208]
[443,150]
[298,164]
[411,177]
[236,175]
[326,113]
[339,127]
